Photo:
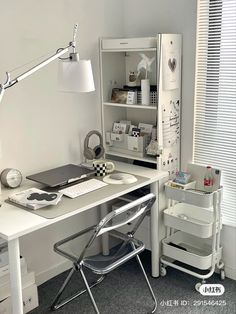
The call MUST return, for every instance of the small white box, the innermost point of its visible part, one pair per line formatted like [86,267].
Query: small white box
[117,137]
[30,300]
[136,144]
[27,280]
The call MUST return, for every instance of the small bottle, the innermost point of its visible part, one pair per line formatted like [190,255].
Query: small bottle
[208,180]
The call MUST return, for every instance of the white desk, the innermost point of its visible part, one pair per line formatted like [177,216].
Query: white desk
[16,222]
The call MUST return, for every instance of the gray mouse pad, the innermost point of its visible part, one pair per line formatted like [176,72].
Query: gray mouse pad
[67,205]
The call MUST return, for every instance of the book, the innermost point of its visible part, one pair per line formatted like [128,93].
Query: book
[35,198]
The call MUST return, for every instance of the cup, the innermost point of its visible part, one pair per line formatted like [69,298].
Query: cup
[103,167]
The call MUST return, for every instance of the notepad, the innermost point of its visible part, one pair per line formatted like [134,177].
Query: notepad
[35,198]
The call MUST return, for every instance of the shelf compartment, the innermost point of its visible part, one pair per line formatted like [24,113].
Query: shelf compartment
[152,160]
[194,197]
[190,250]
[190,219]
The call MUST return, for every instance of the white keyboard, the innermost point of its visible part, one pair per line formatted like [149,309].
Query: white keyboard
[83,188]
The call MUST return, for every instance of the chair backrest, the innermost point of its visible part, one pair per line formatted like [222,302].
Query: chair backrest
[126,214]
[122,216]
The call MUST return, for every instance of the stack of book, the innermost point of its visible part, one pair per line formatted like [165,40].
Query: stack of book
[29,288]
[35,198]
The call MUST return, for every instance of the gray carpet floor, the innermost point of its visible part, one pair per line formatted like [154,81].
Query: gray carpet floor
[124,292]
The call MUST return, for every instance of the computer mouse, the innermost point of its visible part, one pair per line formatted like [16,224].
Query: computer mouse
[116,176]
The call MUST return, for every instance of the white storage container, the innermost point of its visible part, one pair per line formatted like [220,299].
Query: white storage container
[129,43]
[117,137]
[191,219]
[5,270]
[127,146]
[136,143]
[190,250]
[198,198]
[5,289]
[30,300]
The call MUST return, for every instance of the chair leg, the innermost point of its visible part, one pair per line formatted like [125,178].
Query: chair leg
[148,284]
[89,291]
[56,305]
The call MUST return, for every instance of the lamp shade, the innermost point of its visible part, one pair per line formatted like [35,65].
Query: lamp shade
[75,76]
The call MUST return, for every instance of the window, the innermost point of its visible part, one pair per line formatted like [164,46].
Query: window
[215,96]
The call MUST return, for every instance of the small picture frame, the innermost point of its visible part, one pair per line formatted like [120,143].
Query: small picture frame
[119,128]
[119,96]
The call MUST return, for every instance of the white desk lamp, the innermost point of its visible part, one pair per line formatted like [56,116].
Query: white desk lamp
[74,75]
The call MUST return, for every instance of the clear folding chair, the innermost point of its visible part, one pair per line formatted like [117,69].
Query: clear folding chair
[125,247]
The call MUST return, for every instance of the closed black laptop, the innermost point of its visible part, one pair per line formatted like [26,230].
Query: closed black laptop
[61,175]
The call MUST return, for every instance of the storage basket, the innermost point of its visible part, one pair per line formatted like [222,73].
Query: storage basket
[188,249]
[191,219]
[153,98]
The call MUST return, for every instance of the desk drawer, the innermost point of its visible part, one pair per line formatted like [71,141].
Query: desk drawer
[129,43]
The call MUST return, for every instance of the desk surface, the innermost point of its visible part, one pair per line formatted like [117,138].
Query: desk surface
[15,222]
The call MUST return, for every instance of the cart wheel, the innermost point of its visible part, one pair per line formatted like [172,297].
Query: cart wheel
[163,271]
[222,274]
[197,286]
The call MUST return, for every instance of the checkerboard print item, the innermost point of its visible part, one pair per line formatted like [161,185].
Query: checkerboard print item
[100,170]
[136,133]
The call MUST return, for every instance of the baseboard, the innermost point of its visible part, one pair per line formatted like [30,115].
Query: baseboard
[230,272]
[52,272]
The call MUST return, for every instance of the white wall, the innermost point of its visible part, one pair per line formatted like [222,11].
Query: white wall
[147,18]
[228,240]
[41,128]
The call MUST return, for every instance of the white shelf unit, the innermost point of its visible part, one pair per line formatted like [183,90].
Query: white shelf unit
[191,217]
[119,56]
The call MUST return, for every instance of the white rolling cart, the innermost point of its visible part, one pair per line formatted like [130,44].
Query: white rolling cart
[193,216]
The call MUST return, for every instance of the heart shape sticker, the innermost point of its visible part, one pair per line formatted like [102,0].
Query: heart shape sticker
[172,64]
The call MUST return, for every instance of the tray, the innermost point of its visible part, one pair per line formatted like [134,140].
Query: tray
[190,196]
[191,219]
[191,250]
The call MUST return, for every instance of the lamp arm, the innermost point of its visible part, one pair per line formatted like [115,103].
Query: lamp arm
[10,83]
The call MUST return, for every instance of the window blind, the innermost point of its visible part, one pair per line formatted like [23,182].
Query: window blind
[215,96]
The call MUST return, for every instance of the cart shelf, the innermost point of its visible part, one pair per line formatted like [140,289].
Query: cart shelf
[190,196]
[190,250]
[191,219]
